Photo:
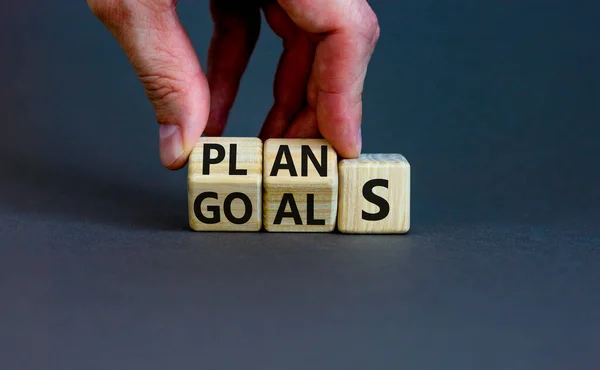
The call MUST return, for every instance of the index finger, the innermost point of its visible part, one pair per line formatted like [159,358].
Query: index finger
[349,31]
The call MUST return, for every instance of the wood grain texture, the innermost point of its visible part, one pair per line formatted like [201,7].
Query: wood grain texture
[294,187]
[234,175]
[367,184]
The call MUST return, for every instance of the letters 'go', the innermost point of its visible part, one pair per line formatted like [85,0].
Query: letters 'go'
[295,185]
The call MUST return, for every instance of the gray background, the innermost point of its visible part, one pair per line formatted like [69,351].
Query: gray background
[496,106]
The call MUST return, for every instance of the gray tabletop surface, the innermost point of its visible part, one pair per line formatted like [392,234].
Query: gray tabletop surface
[496,105]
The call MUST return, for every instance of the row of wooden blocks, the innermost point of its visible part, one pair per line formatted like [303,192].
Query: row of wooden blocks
[295,185]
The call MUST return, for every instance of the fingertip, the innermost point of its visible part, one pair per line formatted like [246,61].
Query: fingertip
[349,151]
[178,164]
[348,146]
[358,146]
[171,149]
[355,150]
[339,118]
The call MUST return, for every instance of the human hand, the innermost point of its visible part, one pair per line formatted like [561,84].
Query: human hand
[318,84]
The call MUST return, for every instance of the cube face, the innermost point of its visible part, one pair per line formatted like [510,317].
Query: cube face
[300,182]
[300,209]
[225,205]
[225,185]
[236,157]
[374,194]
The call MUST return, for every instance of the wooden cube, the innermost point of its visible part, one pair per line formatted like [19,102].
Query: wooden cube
[225,184]
[300,185]
[374,194]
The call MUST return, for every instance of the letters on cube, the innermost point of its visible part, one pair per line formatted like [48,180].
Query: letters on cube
[300,185]
[374,194]
[295,185]
[225,184]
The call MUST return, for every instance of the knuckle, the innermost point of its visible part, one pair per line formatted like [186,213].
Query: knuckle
[372,28]
[106,11]
[165,92]
[115,11]
[162,88]
[366,24]
[98,7]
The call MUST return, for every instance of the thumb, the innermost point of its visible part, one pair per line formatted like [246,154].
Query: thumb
[159,49]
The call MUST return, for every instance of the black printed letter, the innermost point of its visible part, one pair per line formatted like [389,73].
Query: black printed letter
[207,160]
[233,161]
[320,167]
[310,211]
[216,216]
[384,206]
[247,206]
[289,163]
[281,213]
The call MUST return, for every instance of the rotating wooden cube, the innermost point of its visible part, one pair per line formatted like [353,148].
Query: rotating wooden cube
[225,184]
[300,185]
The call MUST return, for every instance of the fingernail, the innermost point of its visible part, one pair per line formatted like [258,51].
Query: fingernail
[359,141]
[171,144]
